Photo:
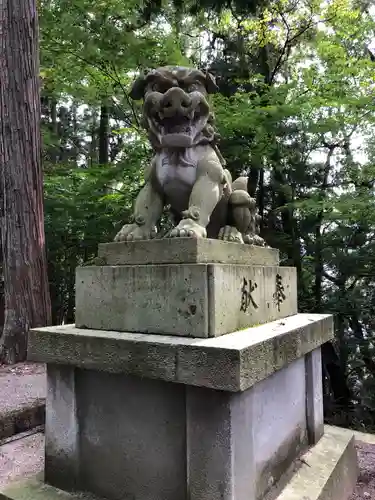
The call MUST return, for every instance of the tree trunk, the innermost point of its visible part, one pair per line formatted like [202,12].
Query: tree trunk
[104,135]
[93,150]
[27,300]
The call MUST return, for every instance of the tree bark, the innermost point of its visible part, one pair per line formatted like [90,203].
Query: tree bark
[104,135]
[27,299]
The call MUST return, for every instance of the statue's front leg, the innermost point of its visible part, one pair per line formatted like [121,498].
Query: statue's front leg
[206,193]
[148,209]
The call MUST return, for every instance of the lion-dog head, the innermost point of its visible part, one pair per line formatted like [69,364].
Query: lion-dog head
[176,112]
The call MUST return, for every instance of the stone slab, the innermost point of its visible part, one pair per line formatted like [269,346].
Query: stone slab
[244,442]
[328,471]
[153,440]
[232,362]
[192,300]
[280,424]
[132,437]
[36,489]
[62,438]
[314,395]
[186,251]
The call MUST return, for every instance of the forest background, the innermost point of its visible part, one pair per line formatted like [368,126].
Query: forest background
[296,110]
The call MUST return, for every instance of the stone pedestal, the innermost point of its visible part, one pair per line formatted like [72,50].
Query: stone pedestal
[160,417]
[156,292]
[207,413]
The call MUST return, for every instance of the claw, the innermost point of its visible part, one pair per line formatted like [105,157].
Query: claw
[230,233]
[188,228]
[133,232]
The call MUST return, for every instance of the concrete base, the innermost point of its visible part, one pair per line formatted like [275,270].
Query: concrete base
[125,437]
[183,286]
[233,362]
[121,436]
[328,471]
[152,417]
[190,300]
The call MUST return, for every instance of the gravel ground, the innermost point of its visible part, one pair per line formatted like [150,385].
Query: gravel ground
[365,489]
[21,459]
[21,386]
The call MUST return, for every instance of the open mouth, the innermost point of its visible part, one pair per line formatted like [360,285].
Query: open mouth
[177,127]
[176,130]
[176,124]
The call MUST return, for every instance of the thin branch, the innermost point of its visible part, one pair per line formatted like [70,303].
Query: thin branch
[107,73]
[128,100]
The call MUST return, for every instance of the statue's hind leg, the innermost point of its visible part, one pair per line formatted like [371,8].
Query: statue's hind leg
[243,213]
[239,205]
[230,233]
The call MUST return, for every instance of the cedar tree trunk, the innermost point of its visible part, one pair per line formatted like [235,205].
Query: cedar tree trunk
[27,300]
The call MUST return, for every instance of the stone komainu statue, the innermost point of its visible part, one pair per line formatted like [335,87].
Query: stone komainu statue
[187,171]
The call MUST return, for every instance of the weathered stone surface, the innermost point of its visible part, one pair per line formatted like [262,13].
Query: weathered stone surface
[258,352]
[329,470]
[132,437]
[62,438]
[279,416]
[142,439]
[232,362]
[186,251]
[193,300]
[245,442]
[314,395]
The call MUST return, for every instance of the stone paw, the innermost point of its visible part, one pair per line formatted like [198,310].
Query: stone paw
[230,233]
[258,241]
[254,239]
[188,228]
[131,232]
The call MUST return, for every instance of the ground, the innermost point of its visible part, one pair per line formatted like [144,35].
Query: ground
[21,385]
[366,482]
[22,397]
[21,459]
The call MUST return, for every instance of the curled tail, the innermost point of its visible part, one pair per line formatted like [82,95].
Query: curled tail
[244,211]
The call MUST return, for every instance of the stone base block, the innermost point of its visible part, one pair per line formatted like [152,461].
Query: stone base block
[185,251]
[152,440]
[328,471]
[190,300]
[233,362]
[224,419]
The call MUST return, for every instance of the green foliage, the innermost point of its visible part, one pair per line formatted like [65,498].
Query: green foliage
[83,207]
